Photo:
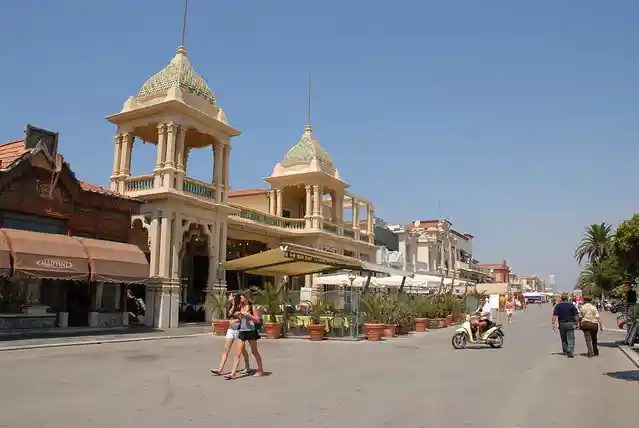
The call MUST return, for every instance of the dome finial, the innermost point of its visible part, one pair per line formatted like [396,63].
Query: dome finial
[186,8]
[308,107]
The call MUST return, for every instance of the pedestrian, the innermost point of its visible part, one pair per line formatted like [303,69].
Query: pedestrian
[510,306]
[565,314]
[249,321]
[231,336]
[590,324]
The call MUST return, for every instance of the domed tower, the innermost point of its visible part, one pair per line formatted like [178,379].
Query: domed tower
[176,111]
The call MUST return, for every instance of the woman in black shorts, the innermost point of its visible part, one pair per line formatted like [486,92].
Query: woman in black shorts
[249,317]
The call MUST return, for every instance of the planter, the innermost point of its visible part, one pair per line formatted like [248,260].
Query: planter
[402,330]
[420,324]
[316,332]
[273,330]
[449,320]
[374,332]
[457,319]
[220,327]
[36,310]
[389,330]
[442,322]
[433,323]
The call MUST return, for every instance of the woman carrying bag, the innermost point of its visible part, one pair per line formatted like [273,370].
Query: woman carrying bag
[590,324]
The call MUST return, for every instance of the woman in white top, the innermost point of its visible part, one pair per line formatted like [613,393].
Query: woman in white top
[590,325]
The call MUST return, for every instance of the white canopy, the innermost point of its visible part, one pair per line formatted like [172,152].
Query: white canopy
[396,281]
[341,279]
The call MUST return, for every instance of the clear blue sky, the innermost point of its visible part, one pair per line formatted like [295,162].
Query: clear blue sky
[520,118]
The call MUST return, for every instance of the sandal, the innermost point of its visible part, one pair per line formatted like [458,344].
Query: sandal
[229,377]
[258,374]
[216,372]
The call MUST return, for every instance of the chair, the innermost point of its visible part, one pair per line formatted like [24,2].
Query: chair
[336,325]
[296,326]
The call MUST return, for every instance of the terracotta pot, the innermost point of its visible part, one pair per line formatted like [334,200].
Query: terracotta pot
[220,327]
[442,322]
[402,330]
[374,332]
[390,330]
[273,330]
[433,323]
[420,324]
[449,321]
[316,331]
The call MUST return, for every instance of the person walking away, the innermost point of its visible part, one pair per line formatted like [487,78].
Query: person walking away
[565,314]
[231,336]
[510,307]
[249,319]
[590,324]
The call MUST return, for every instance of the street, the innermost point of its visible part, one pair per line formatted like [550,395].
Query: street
[417,381]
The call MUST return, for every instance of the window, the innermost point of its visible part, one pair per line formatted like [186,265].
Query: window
[32,223]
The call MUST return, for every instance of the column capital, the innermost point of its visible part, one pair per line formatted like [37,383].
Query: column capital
[278,191]
[308,187]
[316,187]
[172,127]
[161,127]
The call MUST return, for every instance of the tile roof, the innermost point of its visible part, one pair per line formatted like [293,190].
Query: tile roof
[247,192]
[14,150]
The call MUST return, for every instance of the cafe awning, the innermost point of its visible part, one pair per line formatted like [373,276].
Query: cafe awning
[46,255]
[5,257]
[115,262]
[292,260]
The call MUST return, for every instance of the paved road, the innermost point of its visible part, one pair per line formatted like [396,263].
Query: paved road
[412,382]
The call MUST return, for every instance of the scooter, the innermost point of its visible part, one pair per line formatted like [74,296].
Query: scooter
[494,336]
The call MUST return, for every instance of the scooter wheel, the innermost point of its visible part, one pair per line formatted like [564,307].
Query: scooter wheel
[459,341]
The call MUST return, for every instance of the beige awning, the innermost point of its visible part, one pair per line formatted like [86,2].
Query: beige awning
[115,262]
[46,255]
[5,256]
[292,260]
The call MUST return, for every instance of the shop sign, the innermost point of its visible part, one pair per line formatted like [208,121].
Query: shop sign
[311,259]
[54,264]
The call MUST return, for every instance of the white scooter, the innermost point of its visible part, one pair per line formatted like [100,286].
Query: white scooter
[494,336]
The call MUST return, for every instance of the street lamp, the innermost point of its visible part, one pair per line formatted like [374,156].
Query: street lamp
[352,320]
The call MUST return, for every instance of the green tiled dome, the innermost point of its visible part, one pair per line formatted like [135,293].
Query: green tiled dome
[178,73]
[307,149]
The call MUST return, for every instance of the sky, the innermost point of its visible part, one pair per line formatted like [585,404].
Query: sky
[516,120]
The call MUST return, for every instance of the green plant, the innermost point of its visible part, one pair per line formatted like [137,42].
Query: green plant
[271,297]
[404,314]
[316,310]
[423,307]
[373,305]
[218,301]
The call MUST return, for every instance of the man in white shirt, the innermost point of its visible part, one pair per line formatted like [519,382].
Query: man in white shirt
[485,316]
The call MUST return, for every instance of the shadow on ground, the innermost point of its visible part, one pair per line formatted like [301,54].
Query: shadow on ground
[628,375]
[610,344]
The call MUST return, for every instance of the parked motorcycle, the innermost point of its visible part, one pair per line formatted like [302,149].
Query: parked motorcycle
[494,336]
[632,336]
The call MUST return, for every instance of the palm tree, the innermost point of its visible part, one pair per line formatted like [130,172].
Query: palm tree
[597,277]
[595,243]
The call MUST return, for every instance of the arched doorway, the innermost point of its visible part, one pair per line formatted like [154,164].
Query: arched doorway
[194,274]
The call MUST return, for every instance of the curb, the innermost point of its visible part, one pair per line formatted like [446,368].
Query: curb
[631,354]
[99,342]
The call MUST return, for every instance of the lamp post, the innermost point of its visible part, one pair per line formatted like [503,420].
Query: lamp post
[283,290]
[352,320]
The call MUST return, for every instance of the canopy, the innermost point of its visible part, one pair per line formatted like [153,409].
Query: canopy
[340,279]
[396,281]
[46,255]
[295,260]
[115,262]
[5,256]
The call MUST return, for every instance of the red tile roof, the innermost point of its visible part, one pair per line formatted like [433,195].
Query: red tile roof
[13,150]
[247,192]
[10,152]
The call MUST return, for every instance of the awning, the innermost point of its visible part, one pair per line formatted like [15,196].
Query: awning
[5,256]
[292,260]
[46,255]
[115,262]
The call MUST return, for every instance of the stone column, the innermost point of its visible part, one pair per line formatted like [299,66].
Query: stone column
[169,163]
[161,156]
[165,246]
[317,207]
[308,214]
[179,149]
[370,224]
[278,202]
[154,247]
[227,161]
[218,157]
[441,252]
[355,209]
[176,245]
[222,247]
[271,202]
[117,154]
[93,312]
[125,160]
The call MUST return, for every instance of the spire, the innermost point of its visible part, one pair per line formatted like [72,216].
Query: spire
[308,107]
[186,9]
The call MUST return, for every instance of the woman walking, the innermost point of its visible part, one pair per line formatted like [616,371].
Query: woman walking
[510,306]
[590,325]
[231,335]
[249,319]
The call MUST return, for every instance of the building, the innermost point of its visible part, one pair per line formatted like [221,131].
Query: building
[194,227]
[533,283]
[433,246]
[498,272]
[67,248]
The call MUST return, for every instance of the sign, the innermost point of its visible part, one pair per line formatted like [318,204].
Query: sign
[457,291]
[493,301]
[312,259]
[54,264]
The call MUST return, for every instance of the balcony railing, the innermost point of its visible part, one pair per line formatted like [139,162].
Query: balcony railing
[198,188]
[330,228]
[270,220]
[363,237]
[349,233]
[136,184]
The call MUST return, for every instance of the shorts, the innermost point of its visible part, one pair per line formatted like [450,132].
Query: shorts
[509,312]
[232,333]
[248,335]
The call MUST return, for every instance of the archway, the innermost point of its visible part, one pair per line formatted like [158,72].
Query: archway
[194,274]
[139,236]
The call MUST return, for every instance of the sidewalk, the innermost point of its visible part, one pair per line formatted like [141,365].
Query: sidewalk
[130,335]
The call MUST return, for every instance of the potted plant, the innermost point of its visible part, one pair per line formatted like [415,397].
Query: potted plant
[405,318]
[218,302]
[390,315]
[272,299]
[316,329]
[374,326]
[422,308]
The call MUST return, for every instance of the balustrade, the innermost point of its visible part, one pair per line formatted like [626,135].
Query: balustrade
[136,184]
[198,188]
[330,228]
[268,219]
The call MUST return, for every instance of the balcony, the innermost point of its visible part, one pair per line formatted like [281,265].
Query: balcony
[144,184]
[331,228]
[199,189]
[269,220]
[139,183]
